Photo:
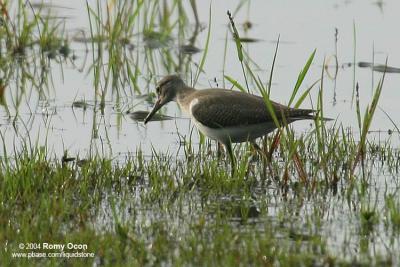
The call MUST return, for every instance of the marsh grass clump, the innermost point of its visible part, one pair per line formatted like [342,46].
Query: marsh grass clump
[140,38]
[392,213]
[24,27]
[29,41]
[172,210]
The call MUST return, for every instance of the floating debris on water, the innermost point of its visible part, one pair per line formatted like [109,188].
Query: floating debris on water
[378,67]
[189,49]
[249,40]
[81,104]
[140,115]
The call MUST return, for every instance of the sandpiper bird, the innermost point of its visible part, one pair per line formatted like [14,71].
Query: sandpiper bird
[225,115]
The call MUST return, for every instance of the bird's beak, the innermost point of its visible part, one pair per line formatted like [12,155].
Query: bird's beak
[159,103]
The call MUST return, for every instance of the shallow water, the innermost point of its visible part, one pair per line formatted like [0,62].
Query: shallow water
[295,216]
[305,26]
[67,116]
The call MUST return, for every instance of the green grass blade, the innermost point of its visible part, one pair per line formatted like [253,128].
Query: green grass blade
[235,83]
[301,77]
[236,38]
[391,120]
[305,94]
[273,66]
[203,58]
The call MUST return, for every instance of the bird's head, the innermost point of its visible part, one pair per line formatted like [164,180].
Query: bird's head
[167,90]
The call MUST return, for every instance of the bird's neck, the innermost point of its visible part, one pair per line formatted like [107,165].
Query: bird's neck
[183,97]
[184,93]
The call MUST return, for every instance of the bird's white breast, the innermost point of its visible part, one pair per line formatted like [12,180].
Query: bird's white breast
[193,103]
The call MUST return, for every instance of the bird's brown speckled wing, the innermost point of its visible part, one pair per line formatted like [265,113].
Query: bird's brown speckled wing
[218,108]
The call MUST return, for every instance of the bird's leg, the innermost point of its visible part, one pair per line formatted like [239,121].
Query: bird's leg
[263,156]
[219,149]
[257,148]
[231,156]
